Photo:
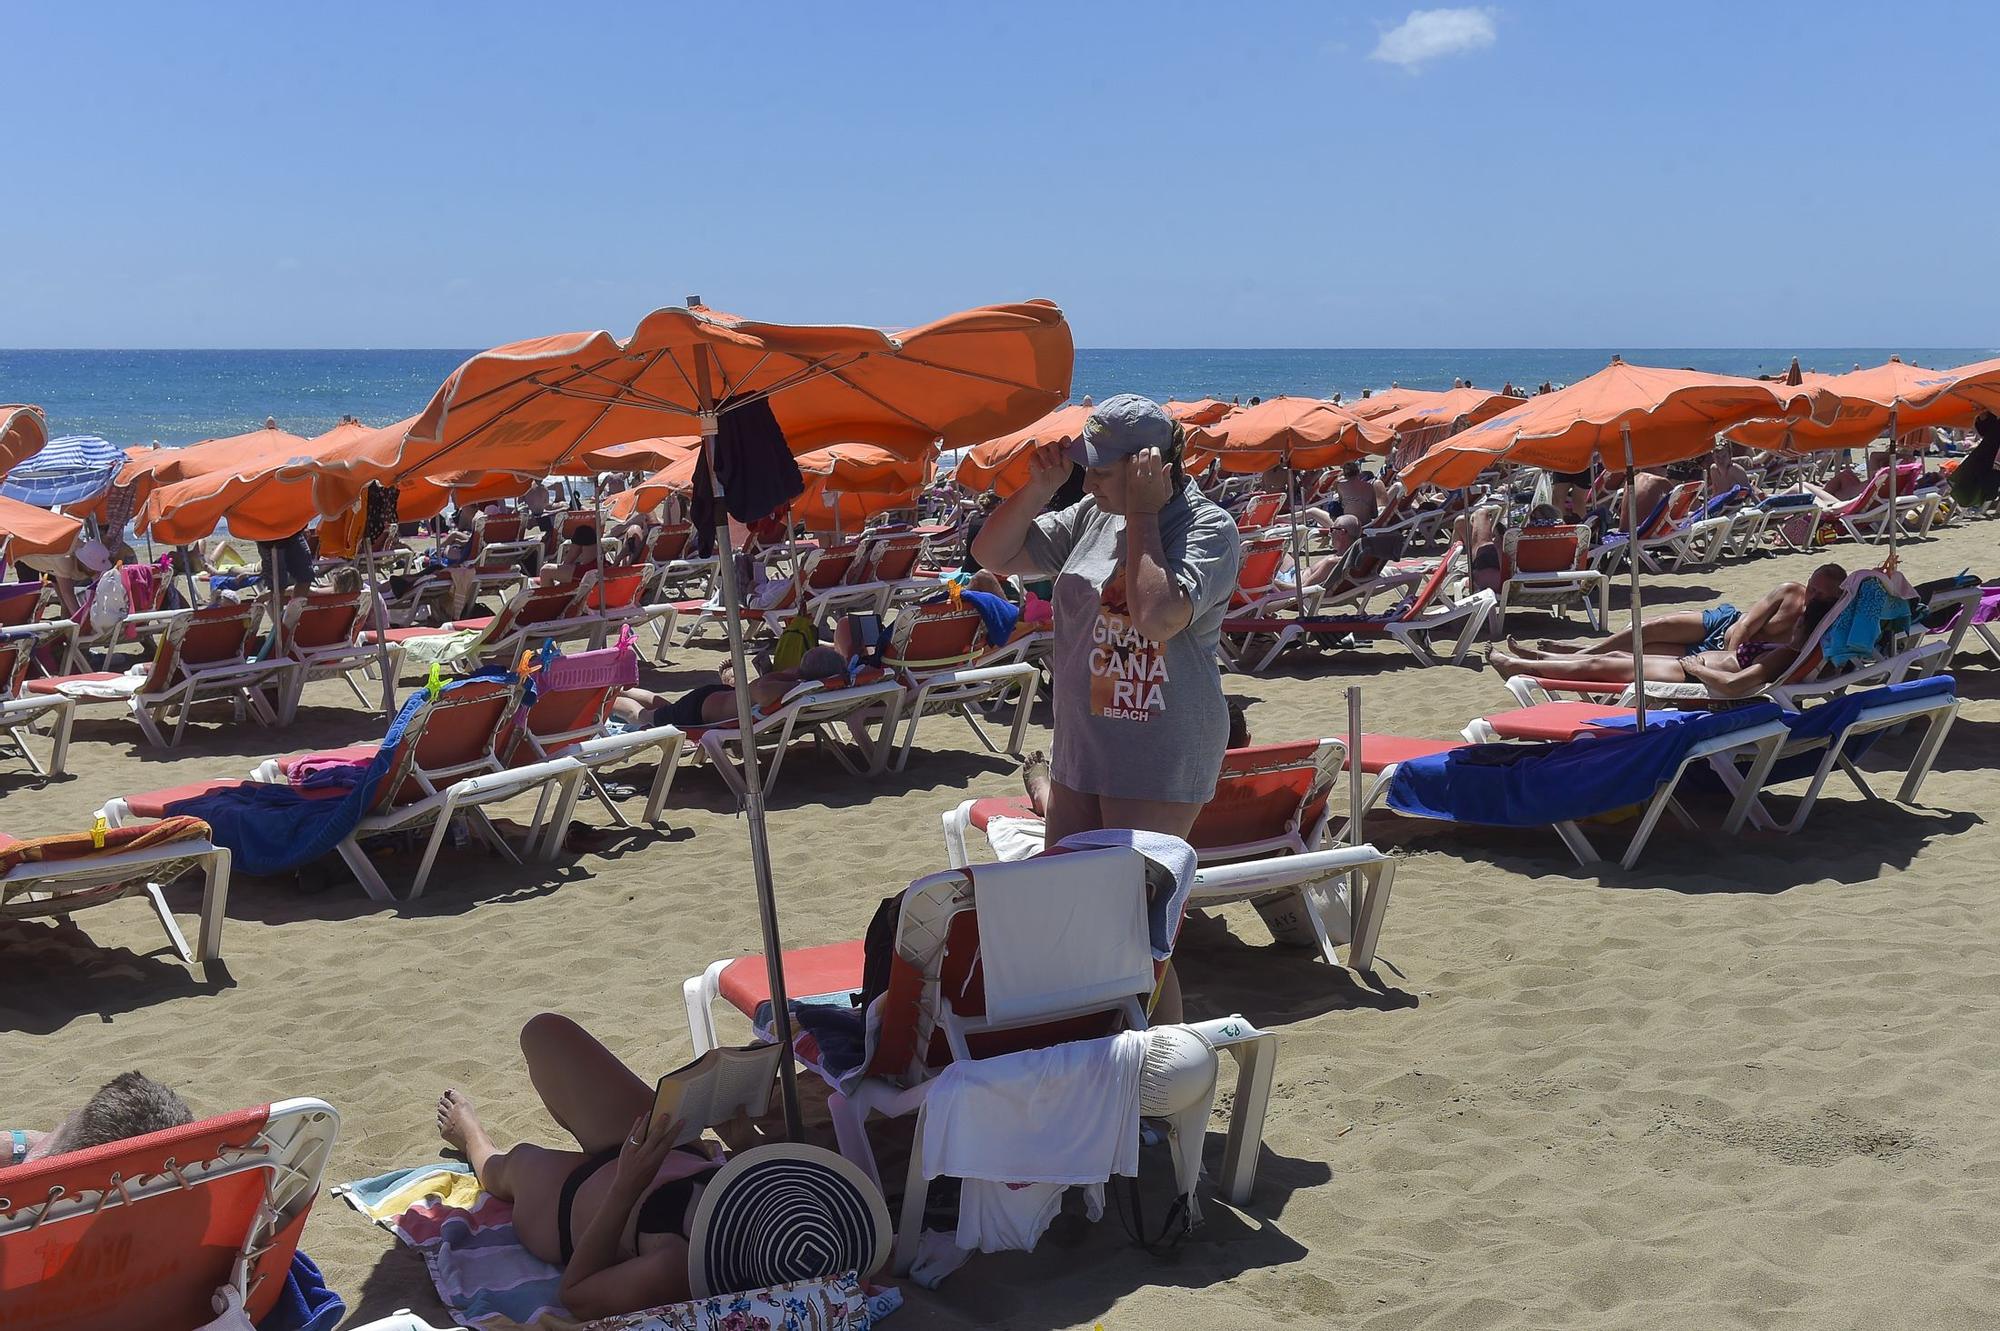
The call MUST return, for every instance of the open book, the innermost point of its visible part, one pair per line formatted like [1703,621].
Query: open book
[718,1086]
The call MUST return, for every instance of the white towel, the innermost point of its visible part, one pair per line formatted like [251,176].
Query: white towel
[1176,855]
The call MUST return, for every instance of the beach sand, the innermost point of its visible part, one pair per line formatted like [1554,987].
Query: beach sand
[1750,1083]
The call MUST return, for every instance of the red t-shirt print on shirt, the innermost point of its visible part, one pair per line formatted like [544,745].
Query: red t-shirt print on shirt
[1128,671]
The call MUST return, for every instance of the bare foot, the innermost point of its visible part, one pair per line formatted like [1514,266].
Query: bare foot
[1036,778]
[458,1123]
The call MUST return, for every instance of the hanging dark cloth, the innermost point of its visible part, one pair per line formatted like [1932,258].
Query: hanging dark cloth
[755,465]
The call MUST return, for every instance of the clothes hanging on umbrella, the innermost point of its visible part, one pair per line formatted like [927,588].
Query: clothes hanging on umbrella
[754,464]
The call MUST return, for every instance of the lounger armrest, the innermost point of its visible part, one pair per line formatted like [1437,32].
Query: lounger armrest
[1281,872]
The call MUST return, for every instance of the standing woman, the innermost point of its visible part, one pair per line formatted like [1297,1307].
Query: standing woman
[1143,566]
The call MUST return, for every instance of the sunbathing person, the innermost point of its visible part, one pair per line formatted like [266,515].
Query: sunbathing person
[1728,672]
[1775,617]
[613,1212]
[712,704]
[129,1105]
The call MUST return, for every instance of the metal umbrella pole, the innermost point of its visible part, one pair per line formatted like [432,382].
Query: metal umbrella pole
[1298,537]
[597,634]
[1894,520]
[1632,563]
[753,783]
[379,606]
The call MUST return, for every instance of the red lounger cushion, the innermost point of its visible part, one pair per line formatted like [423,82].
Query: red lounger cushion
[809,973]
[54,683]
[1379,752]
[1553,720]
[1011,806]
[153,803]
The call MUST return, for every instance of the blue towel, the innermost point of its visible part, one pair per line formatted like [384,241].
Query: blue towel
[272,829]
[1537,785]
[305,1304]
[1000,614]
[1620,537]
[1714,507]
[1871,616]
[1830,718]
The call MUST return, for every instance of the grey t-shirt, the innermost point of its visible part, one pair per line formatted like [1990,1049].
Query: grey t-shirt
[1136,719]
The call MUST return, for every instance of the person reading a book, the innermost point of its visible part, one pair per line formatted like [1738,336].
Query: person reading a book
[613,1212]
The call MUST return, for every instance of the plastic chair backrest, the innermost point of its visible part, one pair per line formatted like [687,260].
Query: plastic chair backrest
[17,651]
[1061,935]
[326,619]
[192,1202]
[500,529]
[21,603]
[1259,567]
[1681,502]
[213,635]
[1259,511]
[1263,793]
[541,605]
[1545,550]
[894,558]
[565,714]
[620,590]
[831,567]
[671,542]
[936,635]
[1432,586]
[575,520]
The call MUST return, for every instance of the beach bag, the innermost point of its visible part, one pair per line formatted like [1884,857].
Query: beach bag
[798,638]
[109,605]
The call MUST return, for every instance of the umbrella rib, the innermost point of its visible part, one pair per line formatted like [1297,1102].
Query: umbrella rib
[885,405]
[968,374]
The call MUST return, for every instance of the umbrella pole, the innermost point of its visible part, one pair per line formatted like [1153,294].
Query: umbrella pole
[1632,563]
[597,634]
[1298,537]
[379,612]
[1894,522]
[753,784]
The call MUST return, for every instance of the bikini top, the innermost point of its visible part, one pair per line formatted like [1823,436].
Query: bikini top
[1750,653]
[665,1209]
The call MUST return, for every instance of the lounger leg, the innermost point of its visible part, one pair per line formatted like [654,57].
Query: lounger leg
[1751,783]
[1368,897]
[663,779]
[1256,1062]
[909,1226]
[364,872]
[1579,845]
[1927,753]
[20,734]
[214,900]
[174,935]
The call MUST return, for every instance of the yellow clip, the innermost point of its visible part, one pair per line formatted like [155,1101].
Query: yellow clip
[97,832]
[434,683]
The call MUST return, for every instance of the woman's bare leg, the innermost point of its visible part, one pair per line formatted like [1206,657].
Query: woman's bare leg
[587,1089]
[1667,635]
[1069,812]
[1175,819]
[1580,669]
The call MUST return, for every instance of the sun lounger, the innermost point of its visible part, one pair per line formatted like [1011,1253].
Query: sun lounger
[1258,512]
[940,654]
[1838,732]
[1558,785]
[444,760]
[20,711]
[55,875]
[145,1232]
[1550,567]
[573,701]
[323,641]
[810,708]
[1270,800]
[202,655]
[499,637]
[1432,632]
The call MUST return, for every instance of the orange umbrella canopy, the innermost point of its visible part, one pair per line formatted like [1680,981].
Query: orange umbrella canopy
[1001,465]
[847,484]
[1299,432]
[23,432]
[265,493]
[1203,411]
[27,530]
[1423,418]
[640,454]
[676,478]
[1979,384]
[1919,397]
[529,406]
[238,452]
[1672,414]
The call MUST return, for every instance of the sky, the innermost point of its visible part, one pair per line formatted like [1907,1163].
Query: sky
[1174,175]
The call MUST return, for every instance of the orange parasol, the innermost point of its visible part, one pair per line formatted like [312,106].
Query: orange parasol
[1671,415]
[264,495]
[27,530]
[1300,433]
[641,454]
[676,478]
[1423,418]
[846,484]
[1001,465]
[530,406]
[1203,411]
[23,432]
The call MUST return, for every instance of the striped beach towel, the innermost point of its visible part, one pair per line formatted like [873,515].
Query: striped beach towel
[484,1276]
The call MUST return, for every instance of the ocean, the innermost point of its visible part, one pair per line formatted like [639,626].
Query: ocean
[178,397]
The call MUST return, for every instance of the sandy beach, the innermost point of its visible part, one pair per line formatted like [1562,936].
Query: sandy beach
[1749,1083]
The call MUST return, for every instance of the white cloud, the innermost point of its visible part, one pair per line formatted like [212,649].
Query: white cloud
[1428,34]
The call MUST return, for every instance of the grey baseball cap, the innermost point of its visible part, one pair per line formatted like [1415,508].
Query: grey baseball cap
[1119,427]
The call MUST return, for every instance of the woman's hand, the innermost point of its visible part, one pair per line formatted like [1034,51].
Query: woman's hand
[1048,468]
[642,1152]
[1149,482]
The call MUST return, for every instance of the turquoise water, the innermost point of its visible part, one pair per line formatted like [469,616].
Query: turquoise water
[177,397]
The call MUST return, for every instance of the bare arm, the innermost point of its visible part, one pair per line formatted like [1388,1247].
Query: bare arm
[1728,682]
[1160,607]
[598,1282]
[1002,543]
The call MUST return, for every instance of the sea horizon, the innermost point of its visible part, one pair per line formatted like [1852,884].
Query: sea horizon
[176,396]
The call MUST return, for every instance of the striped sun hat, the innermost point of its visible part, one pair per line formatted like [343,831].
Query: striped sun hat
[784,1212]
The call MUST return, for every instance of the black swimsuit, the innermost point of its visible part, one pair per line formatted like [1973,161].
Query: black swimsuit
[663,1212]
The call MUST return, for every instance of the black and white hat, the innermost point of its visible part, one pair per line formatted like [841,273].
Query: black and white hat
[785,1212]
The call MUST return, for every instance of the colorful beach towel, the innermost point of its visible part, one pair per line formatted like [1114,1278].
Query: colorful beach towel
[484,1276]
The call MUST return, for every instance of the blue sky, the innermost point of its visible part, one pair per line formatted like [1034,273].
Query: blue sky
[1173,174]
